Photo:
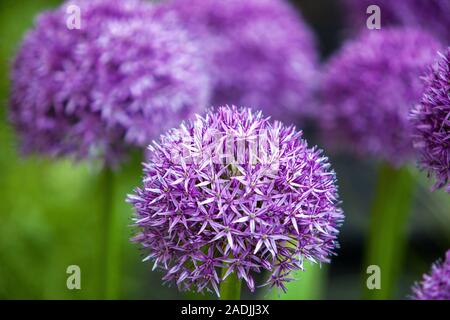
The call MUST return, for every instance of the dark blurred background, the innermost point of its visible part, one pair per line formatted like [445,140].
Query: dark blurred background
[49,209]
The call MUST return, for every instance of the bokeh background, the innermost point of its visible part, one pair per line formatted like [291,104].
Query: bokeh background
[50,210]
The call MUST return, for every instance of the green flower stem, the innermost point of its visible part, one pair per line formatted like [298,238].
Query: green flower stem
[111,237]
[115,186]
[230,289]
[387,234]
[308,284]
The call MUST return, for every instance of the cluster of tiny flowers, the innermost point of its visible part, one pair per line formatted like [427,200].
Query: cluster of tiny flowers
[117,81]
[436,285]
[232,190]
[260,52]
[369,87]
[431,120]
[431,15]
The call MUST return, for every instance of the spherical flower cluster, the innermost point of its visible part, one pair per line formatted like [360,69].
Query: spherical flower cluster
[261,53]
[431,15]
[117,81]
[431,120]
[150,77]
[233,190]
[436,285]
[369,87]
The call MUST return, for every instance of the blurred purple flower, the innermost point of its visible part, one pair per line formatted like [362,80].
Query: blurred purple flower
[261,53]
[234,190]
[431,120]
[436,285]
[151,77]
[431,15]
[369,88]
[127,74]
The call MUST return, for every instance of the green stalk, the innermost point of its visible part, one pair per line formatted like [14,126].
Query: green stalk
[308,284]
[111,237]
[230,289]
[387,234]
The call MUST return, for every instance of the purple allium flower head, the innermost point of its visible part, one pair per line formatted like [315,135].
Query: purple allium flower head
[370,85]
[431,15]
[436,285]
[431,120]
[151,76]
[125,75]
[261,53]
[234,190]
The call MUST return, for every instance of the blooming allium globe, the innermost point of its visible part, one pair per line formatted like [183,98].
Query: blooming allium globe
[150,76]
[431,15]
[436,285]
[260,52]
[116,82]
[431,120]
[369,87]
[233,190]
